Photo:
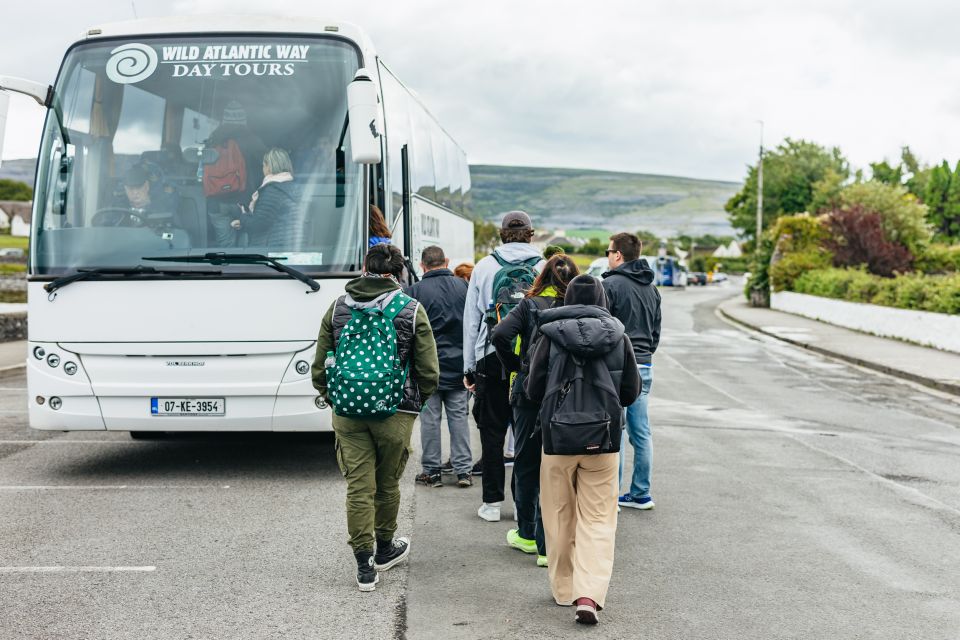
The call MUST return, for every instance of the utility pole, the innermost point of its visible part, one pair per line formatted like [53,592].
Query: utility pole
[760,190]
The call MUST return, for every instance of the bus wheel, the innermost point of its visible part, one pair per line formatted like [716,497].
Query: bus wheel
[147,435]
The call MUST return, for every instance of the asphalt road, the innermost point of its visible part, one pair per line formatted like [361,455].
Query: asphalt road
[797,497]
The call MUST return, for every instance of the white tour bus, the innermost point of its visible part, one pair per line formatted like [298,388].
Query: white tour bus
[149,311]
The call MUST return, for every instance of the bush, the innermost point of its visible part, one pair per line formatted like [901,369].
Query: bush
[916,291]
[859,239]
[939,258]
[728,265]
[903,218]
[784,271]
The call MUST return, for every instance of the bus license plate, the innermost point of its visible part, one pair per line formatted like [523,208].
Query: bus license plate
[187,406]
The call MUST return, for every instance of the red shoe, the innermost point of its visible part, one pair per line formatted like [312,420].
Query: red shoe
[586,611]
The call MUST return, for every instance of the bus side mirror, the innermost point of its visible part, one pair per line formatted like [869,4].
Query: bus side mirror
[363,110]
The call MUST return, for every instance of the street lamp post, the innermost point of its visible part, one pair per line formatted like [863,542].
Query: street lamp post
[760,190]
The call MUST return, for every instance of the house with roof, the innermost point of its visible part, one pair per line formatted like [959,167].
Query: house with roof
[15,217]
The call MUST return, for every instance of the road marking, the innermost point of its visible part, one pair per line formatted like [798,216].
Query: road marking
[56,441]
[108,487]
[704,382]
[64,569]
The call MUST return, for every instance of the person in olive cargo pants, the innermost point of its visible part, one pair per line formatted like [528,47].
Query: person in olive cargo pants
[372,453]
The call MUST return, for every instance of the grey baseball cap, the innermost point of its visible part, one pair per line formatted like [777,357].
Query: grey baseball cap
[516,220]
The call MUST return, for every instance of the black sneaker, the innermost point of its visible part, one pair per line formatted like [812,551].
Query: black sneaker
[447,468]
[367,577]
[478,468]
[429,479]
[464,480]
[391,553]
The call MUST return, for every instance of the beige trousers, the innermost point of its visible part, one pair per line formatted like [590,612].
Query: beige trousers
[578,501]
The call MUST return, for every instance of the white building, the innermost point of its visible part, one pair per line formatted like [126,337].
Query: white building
[732,250]
[15,217]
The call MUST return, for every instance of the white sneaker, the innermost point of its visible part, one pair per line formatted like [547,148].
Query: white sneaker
[489,512]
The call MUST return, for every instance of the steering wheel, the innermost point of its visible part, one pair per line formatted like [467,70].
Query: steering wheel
[116,217]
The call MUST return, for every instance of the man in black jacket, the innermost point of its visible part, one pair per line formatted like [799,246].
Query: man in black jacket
[634,300]
[443,296]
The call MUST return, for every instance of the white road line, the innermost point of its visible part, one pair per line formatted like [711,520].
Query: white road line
[109,487]
[61,441]
[59,569]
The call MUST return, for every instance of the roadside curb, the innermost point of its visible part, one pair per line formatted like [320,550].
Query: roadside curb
[13,368]
[867,364]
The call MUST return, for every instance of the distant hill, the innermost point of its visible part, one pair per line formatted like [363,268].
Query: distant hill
[594,202]
[21,170]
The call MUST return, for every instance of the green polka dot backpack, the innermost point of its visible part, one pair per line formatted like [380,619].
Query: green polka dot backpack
[366,379]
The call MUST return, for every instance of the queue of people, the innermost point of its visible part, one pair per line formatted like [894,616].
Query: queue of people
[562,358]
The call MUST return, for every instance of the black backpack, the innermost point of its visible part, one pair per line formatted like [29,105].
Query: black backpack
[581,413]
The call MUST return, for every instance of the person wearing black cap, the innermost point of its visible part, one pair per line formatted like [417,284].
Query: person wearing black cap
[144,192]
[483,372]
[582,373]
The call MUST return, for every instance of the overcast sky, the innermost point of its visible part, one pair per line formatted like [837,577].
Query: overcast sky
[671,87]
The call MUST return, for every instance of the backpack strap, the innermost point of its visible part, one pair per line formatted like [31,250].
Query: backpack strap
[397,304]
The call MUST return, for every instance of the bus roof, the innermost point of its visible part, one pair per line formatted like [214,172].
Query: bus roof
[253,24]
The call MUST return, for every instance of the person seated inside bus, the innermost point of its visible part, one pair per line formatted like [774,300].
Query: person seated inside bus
[145,193]
[270,219]
[231,179]
[379,231]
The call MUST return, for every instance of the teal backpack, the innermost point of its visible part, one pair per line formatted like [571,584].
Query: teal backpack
[510,286]
[366,378]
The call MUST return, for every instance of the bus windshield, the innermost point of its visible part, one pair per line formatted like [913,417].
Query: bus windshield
[189,145]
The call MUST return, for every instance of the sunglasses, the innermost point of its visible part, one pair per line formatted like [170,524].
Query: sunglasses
[609,251]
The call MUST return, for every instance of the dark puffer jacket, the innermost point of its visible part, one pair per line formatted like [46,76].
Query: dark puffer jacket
[634,300]
[415,342]
[584,328]
[274,221]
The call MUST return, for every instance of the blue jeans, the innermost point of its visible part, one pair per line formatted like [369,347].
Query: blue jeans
[638,431]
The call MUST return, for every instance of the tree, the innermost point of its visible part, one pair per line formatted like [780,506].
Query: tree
[486,236]
[902,217]
[948,222]
[789,174]
[935,196]
[883,172]
[648,238]
[15,190]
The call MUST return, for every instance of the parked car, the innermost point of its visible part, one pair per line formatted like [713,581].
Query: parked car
[598,267]
[698,278]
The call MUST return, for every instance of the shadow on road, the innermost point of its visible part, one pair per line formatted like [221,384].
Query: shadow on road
[201,457]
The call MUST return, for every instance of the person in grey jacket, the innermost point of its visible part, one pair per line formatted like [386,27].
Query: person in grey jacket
[634,300]
[483,372]
[443,294]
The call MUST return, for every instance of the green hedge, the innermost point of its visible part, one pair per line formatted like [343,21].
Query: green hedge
[916,291]
[939,258]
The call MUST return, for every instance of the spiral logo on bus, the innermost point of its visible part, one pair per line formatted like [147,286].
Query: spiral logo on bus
[131,63]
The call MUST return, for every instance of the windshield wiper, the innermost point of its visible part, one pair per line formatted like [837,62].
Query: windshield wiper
[221,258]
[88,274]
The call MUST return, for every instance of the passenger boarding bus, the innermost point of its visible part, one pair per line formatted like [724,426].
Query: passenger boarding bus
[154,305]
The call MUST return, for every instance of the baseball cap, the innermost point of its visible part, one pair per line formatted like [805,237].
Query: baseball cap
[136,176]
[516,220]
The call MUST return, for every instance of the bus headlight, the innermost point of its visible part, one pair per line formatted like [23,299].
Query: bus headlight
[302,367]
[55,403]
[321,403]
[39,352]
[70,368]
[53,360]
